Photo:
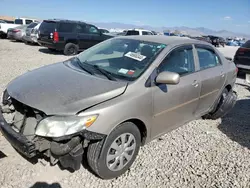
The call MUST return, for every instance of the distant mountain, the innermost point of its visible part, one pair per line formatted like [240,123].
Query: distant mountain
[191,31]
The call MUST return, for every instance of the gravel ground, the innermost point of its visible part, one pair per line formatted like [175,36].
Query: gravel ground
[203,153]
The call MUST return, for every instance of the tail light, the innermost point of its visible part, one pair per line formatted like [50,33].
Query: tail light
[236,70]
[55,36]
[242,50]
[16,30]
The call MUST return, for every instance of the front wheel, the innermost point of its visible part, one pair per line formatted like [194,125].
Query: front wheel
[113,156]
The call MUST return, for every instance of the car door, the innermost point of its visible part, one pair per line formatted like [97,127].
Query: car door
[212,77]
[96,35]
[83,36]
[174,105]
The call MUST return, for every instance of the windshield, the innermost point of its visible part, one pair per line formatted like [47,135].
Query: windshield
[32,25]
[124,59]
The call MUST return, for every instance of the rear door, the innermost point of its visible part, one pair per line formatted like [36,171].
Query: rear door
[46,30]
[66,31]
[212,77]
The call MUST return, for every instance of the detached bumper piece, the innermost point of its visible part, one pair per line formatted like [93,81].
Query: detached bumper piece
[17,140]
[69,154]
[73,159]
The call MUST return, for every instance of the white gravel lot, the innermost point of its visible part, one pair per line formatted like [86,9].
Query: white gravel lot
[199,154]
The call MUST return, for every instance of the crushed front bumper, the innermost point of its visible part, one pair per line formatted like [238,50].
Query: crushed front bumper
[17,140]
[67,150]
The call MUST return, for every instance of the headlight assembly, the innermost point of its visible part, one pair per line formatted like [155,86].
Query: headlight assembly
[57,126]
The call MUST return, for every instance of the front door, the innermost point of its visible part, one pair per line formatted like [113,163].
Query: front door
[96,35]
[83,36]
[174,105]
[212,77]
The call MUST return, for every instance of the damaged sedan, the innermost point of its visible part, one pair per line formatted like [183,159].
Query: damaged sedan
[113,98]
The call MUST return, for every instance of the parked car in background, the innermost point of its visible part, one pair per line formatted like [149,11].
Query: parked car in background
[2,21]
[113,98]
[154,32]
[203,38]
[16,33]
[69,36]
[27,37]
[242,58]
[34,33]
[222,41]
[17,22]
[138,32]
[215,40]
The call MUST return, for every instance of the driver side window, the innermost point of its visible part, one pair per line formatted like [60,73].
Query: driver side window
[180,60]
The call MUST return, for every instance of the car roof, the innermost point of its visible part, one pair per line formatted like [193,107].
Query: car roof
[65,21]
[164,39]
[139,30]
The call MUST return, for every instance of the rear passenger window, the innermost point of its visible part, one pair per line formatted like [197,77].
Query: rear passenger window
[146,33]
[19,21]
[81,28]
[207,58]
[132,32]
[66,27]
[180,60]
[28,21]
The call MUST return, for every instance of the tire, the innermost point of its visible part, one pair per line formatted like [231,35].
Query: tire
[70,49]
[226,103]
[3,36]
[97,152]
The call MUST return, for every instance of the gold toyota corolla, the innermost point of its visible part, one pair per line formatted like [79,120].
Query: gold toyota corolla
[113,98]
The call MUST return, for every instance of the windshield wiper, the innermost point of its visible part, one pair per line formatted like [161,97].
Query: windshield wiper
[84,67]
[104,72]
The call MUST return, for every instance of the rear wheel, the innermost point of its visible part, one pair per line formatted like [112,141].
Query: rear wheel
[226,103]
[70,49]
[113,157]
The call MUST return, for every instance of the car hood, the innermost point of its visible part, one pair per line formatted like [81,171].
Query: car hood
[59,89]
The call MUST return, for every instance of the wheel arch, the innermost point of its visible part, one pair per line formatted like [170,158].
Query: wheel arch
[142,128]
[228,87]
[74,41]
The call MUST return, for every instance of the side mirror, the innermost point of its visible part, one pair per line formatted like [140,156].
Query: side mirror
[168,78]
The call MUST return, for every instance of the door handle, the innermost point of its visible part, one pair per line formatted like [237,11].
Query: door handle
[222,75]
[195,83]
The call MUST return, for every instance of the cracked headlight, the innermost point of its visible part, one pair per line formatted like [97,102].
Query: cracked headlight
[57,126]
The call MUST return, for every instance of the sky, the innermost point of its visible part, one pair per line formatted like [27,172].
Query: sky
[232,15]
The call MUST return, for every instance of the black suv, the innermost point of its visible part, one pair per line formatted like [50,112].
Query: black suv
[69,36]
